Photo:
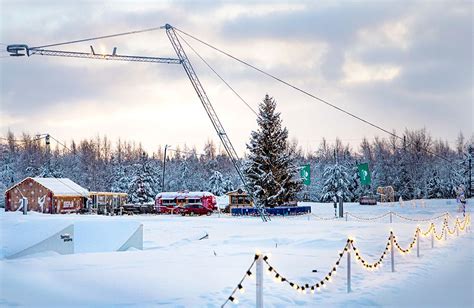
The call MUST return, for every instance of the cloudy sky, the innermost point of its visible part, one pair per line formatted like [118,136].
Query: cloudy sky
[398,64]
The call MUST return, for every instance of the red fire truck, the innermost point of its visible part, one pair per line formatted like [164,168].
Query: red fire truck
[174,202]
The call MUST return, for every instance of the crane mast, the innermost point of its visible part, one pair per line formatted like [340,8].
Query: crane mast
[188,68]
[18,50]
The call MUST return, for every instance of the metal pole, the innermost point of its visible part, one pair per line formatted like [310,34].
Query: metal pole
[348,270]
[392,252]
[25,205]
[164,168]
[418,243]
[259,282]
[341,206]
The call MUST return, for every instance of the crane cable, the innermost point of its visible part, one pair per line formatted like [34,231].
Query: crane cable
[99,37]
[217,74]
[303,91]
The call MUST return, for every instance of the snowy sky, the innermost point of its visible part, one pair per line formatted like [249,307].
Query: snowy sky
[397,63]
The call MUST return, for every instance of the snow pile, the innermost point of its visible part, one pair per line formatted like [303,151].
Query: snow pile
[179,270]
[91,234]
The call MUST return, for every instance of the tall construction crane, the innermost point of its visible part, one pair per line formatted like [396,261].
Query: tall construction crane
[18,50]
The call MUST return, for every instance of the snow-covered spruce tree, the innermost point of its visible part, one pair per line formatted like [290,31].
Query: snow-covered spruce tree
[142,184]
[337,181]
[271,170]
[434,187]
[216,184]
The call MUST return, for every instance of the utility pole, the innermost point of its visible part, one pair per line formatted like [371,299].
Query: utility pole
[164,168]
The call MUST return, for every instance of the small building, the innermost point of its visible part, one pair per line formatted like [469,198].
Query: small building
[239,198]
[47,195]
[107,202]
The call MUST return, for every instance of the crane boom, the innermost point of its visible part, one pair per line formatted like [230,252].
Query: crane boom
[18,50]
[21,50]
[188,68]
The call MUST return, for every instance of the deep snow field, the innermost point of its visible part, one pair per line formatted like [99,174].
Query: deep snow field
[177,269]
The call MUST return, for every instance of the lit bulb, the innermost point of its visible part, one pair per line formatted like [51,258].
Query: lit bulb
[241,288]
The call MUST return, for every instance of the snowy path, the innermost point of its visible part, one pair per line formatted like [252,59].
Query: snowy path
[177,269]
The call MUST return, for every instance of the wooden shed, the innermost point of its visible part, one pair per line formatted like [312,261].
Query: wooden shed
[239,198]
[47,195]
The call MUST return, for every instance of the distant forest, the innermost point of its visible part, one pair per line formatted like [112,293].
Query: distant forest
[414,167]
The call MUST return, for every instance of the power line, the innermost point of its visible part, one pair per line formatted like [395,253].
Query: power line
[303,91]
[222,79]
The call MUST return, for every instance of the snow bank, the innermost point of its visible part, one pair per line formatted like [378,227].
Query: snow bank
[179,270]
[91,233]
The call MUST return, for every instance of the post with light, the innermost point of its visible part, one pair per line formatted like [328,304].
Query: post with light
[418,242]
[349,268]
[259,281]
[392,251]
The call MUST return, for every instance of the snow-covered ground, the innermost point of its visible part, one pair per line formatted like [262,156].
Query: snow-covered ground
[177,269]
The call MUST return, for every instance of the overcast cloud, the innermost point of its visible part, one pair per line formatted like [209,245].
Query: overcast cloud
[399,64]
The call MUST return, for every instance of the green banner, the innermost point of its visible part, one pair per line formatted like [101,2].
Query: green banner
[364,174]
[305,173]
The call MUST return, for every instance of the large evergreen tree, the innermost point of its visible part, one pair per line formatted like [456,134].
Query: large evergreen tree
[271,170]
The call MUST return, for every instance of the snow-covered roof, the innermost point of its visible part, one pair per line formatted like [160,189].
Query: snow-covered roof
[62,186]
[184,194]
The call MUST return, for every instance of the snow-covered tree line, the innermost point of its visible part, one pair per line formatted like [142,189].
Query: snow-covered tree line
[98,165]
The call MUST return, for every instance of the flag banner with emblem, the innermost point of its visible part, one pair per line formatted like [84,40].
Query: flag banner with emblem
[364,173]
[305,173]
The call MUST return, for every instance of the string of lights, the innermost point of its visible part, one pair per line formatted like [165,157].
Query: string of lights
[304,288]
[376,264]
[248,274]
[410,246]
[368,218]
[420,219]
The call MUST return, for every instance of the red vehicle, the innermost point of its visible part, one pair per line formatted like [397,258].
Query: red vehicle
[175,202]
[195,209]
